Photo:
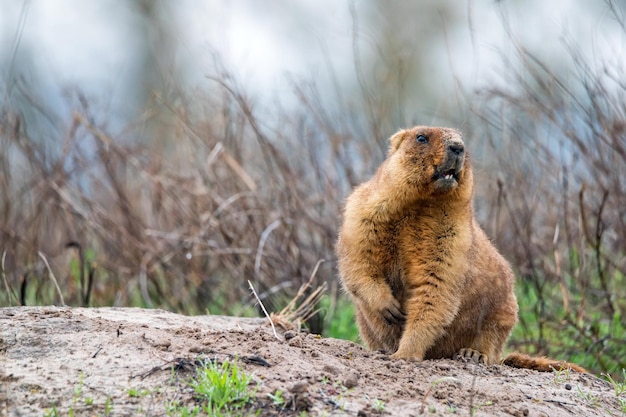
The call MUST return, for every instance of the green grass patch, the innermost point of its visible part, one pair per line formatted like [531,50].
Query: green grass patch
[222,389]
[339,319]
[583,333]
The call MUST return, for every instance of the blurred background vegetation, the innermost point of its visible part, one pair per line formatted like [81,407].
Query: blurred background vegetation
[146,159]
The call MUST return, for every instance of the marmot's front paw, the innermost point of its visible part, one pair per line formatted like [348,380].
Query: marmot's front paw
[391,311]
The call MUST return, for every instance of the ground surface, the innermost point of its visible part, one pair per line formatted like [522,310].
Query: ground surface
[124,361]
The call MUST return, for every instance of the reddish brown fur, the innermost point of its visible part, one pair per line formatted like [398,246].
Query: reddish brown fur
[519,360]
[426,281]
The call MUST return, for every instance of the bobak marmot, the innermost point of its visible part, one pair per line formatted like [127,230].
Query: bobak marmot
[426,281]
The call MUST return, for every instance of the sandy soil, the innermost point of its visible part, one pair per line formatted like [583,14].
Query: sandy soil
[130,362]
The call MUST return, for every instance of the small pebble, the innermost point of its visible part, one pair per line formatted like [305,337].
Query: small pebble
[352,380]
[295,342]
[299,387]
[331,370]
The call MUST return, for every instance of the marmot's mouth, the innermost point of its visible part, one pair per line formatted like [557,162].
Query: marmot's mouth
[449,174]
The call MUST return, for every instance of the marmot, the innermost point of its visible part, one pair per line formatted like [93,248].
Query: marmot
[426,281]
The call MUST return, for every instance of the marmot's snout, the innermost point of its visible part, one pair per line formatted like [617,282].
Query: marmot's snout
[456,149]
[447,175]
[455,157]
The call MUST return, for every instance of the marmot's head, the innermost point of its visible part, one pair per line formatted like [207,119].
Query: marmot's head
[432,159]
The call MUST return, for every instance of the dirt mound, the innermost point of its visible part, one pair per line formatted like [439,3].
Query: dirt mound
[126,361]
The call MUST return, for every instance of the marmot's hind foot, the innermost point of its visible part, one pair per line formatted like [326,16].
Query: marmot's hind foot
[470,355]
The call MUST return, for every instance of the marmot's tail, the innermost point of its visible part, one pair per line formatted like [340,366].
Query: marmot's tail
[519,360]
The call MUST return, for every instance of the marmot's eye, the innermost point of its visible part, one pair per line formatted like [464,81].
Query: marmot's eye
[421,139]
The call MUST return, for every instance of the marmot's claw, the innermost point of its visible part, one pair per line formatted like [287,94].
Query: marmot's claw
[393,315]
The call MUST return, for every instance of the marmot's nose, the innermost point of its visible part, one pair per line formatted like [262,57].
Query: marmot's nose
[456,148]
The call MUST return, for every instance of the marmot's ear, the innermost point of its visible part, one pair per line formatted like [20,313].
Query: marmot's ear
[396,140]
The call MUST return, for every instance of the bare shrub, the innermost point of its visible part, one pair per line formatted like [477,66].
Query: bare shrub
[184,224]
[558,142]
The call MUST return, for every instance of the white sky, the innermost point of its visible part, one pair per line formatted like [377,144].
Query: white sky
[81,42]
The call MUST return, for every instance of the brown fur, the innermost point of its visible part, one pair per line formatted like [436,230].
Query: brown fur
[519,360]
[426,281]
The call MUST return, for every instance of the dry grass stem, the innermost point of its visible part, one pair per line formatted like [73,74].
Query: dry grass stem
[299,310]
[52,277]
[269,317]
